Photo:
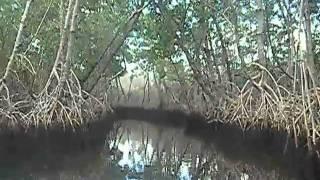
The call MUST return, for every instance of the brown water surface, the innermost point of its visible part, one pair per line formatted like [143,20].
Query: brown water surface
[136,143]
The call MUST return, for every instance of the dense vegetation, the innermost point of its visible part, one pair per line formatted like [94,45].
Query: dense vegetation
[255,63]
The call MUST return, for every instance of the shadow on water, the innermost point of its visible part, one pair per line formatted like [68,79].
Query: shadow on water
[137,143]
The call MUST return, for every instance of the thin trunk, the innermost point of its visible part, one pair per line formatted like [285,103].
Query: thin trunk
[304,89]
[291,40]
[105,59]
[288,24]
[66,66]
[224,50]
[235,16]
[308,33]
[38,67]
[64,36]
[159,91]
[182,85]
[61,50]
[224,57]
[16,45]
[272,48]
[209,61]
[197,73]
[198,78]
[144,90]
[261,32]
[118,81]
[149,87]
[129,90]
[117,89]
[214,59]
[61,12]
[38,28]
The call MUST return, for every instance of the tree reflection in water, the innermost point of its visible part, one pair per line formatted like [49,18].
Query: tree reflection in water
[144,151]
[137,150]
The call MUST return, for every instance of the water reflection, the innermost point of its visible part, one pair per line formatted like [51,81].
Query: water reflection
[144,151]
[161,145]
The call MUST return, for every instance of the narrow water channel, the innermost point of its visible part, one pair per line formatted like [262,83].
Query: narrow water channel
[150,152]
[153,144]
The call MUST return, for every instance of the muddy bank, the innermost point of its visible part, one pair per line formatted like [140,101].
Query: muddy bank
[45,151]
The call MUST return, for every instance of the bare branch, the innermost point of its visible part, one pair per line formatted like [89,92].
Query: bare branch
[16,44]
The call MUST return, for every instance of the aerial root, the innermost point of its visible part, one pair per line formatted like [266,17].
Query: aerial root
[262,102]
[65,105]
[62,105]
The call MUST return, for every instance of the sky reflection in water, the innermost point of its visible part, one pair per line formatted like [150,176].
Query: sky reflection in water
[138,150]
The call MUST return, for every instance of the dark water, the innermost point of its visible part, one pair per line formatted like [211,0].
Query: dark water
[153,144]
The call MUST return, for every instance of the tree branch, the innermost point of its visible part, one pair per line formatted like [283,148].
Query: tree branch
[16,45]
[113,47]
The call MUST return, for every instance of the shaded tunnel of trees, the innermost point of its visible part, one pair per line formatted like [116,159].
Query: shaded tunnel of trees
[242,65]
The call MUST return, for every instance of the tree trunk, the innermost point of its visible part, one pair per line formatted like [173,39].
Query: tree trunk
[64,35]
[214,59]
[157,83]
[68,59]
[289,27]
[211,60]
[309,54]
[224,50]
[16,45]
[105,60]
[273,58]
[261,32]
[60,57]
[234,20]
[61,12]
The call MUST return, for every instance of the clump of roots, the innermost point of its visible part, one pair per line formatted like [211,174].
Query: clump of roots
[64,104]
[13,108]
[264,102]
